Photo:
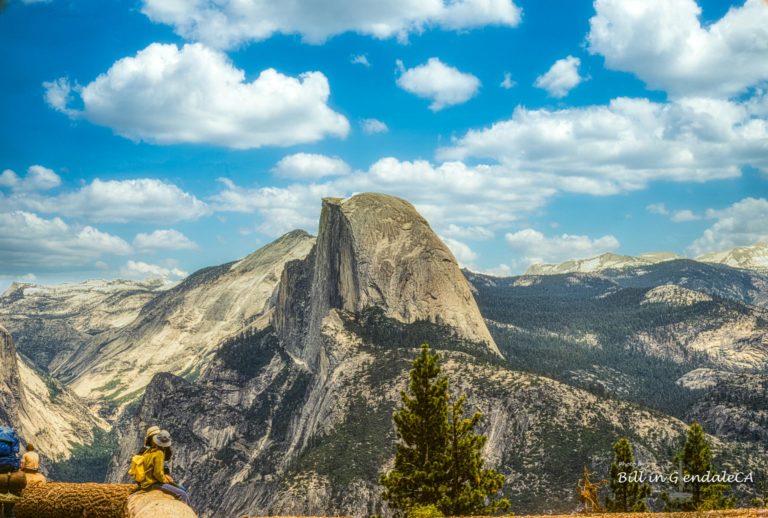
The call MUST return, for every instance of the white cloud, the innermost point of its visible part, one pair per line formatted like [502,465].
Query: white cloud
[310,166]
[507,82]
[471,232]
[463,253]
[684,215]
[58,95]
[451,192]
[658,208]
[664,43]
[561,78]
[142,270]
[373,126]
[531,246]
[30,242]
[622,146]
[442,84]
[145,199]
[677,216]
[167,95]
[38,178]
[229,23]
[743,223]
[360,59]
[169,239]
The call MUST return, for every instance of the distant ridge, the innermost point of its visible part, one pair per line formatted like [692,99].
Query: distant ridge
[601,262]
[751,257]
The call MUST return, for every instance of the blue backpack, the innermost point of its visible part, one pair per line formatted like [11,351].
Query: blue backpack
[9,448]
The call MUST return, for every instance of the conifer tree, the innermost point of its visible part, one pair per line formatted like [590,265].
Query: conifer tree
[696,458]
[627,495]
[421,425]
[468,483]
[437,458]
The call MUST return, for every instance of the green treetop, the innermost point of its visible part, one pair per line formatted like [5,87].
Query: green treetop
[627,495]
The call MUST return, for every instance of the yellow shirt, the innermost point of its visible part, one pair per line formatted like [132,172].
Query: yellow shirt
[30,460]
[153,468]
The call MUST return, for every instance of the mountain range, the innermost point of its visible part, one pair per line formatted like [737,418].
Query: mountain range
[277,374]
[753,257]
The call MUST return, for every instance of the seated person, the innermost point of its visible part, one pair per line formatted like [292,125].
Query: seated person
[30,465]
[154,468]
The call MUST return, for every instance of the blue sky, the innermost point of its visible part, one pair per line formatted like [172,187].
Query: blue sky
[145,138]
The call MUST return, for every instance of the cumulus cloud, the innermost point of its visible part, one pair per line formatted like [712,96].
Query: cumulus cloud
[743,223]
[442,84]
[169,239]
[229,23]
[561,78]
[373,126]
[665,44]
[30,242]
[463,253]
[38,178]
[141,270]
[171,95]
[310,166]
[451,192]
[145,199]
[623,146]
[532,247]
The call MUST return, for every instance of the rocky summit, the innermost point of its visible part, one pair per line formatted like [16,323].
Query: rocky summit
[372,251]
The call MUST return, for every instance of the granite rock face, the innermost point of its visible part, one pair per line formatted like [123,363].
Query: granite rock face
[10,381]
[178,329]
[41,409]
[375,250]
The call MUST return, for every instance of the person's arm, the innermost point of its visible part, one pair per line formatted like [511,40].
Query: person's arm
[24,461]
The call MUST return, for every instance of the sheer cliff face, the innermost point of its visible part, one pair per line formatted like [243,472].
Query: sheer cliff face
[10,382]
[375,250]
[42,411]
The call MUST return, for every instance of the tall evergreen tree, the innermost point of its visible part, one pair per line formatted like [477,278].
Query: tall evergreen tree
[468,483]
[697,460]
[437,458]
[627,496]
[696,457]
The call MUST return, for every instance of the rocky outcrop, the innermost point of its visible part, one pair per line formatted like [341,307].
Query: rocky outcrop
[674,296]
[374,250]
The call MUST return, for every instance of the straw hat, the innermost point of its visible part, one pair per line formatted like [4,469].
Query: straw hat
[151,432]
[162,439]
